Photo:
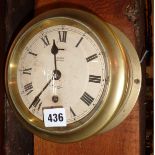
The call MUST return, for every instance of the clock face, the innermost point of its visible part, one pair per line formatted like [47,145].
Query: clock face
[65,67]
[62,65]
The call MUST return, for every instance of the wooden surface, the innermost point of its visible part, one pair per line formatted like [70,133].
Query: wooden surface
[124,139]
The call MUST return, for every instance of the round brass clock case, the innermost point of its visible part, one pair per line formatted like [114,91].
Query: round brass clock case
[97,74]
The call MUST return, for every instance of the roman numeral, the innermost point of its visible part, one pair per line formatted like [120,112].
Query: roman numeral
[79,42]
[86,98]
[34,54]
[30,52]
[94,78]
[27,71]
[45,40]
[28,88]
[62,36]
[73,113]
[39,106]
[92,57]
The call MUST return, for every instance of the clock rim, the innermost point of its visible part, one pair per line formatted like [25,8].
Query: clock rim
[74,135]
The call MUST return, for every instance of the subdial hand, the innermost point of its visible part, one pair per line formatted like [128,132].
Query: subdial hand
[55,96]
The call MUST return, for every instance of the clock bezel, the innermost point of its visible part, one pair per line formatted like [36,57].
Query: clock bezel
[108,107]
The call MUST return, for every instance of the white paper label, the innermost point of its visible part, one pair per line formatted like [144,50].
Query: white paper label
[54,117]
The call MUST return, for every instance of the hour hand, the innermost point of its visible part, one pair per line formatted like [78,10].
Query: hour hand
[55,49]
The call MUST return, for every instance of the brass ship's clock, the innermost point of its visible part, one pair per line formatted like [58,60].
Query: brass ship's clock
[70,75]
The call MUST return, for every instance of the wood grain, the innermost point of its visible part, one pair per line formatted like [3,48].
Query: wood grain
[113,12]
[124,139]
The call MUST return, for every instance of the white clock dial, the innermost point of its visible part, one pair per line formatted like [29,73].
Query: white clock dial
[62,66]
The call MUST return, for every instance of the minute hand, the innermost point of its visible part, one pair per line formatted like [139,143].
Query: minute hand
[36,99]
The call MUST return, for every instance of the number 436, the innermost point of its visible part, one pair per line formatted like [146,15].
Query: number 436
[55,117]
